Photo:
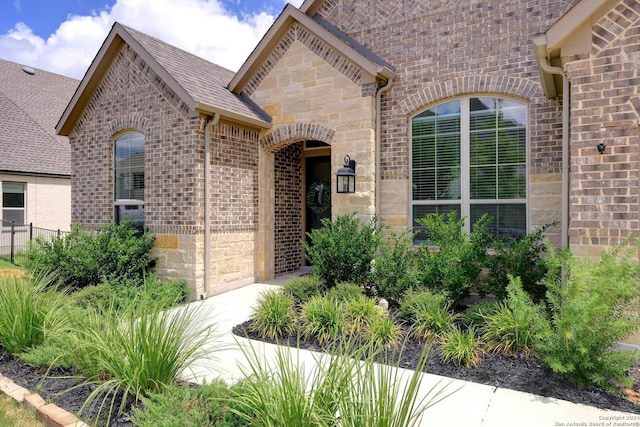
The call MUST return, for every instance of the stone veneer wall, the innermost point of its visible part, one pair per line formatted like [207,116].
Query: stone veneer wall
[288,209]
[313,92]
[444,49]
[605,107]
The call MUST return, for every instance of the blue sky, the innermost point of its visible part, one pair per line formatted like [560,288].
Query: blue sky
[63,36]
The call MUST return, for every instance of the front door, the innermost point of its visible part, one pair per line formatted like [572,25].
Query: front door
[318,191]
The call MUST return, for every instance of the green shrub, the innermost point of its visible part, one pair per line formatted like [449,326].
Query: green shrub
[360,313]
[321,319]
[517,257]
[183,405]
[384,333]
[589,302]
[460,347]
[301,289]
[342,251]
[274,316]
[343,292]
[33,310]
[138,351]
[113,253]
[455,266]
[475,314]
[395,268]
[428,314]
[53,352]
[514,324]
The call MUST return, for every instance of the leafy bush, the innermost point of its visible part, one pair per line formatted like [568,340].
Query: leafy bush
[454,267]
[119,295]
[344,292]
[113,253]
[301,289]
[182,405]
[514,324]
[428,314]
[321,319]
[589,304]
[395,268]
[138,351]
[32,311]
[460,347]
[342,251]
[274,316]
[517,257]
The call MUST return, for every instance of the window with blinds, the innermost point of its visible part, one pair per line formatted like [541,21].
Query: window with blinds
[129,178]
[469,155]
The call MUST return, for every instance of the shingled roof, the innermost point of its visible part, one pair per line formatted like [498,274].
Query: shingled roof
[201,84]
[31,101]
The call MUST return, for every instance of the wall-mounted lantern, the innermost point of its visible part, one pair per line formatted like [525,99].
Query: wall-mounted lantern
[347,176]
[601,147]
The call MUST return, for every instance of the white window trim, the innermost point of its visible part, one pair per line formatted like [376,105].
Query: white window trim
[465,161]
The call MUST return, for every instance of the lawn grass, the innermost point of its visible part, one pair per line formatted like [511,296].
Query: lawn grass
[14,414]
[6,264]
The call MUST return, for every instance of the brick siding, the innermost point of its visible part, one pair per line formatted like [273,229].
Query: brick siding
[605,95]
[288,209]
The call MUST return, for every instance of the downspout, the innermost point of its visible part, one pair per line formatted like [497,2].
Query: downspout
[383,89]
[566,103]
[207,203]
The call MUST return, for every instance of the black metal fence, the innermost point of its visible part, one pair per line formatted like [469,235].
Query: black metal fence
[15,239]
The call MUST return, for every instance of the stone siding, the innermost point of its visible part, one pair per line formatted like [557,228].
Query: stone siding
[313,100]
[605,107]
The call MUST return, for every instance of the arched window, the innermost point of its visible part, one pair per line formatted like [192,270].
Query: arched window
[128,172]
[469,155]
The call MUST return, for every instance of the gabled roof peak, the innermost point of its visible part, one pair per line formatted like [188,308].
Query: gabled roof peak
[199,83]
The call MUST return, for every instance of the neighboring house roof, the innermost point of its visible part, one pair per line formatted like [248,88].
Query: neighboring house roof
[570,35]
[200,84]
[31,101]
[358,54]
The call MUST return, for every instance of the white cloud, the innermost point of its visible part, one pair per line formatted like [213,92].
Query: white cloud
[203,27]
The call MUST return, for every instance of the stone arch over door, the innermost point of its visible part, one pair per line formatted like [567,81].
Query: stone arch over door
[281,197]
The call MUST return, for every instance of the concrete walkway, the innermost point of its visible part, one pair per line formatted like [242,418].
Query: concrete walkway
[471,405]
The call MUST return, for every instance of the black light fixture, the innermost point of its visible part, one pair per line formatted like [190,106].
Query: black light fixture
[347,176]
[601,147]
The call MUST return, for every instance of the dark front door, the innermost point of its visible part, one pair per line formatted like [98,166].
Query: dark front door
[318,191]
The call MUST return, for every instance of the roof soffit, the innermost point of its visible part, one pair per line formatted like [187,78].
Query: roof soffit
[310,7]
[289,16]
[571,34]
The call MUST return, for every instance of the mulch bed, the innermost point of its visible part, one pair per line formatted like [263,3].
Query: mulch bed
[515,373]
[65,388]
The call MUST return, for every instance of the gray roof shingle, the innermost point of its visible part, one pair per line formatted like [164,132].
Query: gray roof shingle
[205,81]
[30,106]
